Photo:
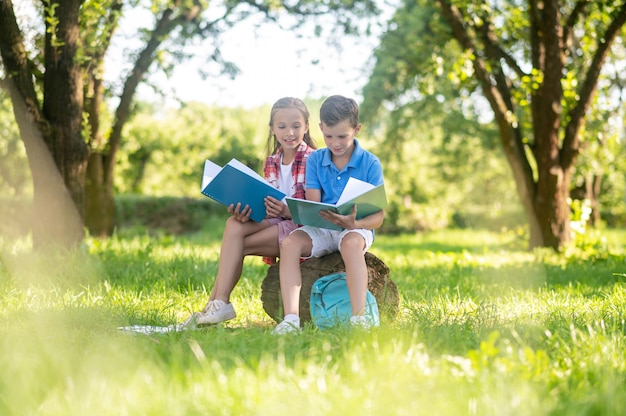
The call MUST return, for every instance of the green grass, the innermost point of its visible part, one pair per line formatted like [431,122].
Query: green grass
[485,328]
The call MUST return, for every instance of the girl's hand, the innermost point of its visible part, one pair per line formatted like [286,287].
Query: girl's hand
[274,207]
[239,213]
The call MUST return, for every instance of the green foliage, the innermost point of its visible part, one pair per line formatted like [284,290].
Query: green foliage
[454,175]
[163,154]
[442,161]
[98,20]
[442,167]
[167,215]
[15,177]
[422,79]
[394,80]
[604,144]
[484,328]
[52,23]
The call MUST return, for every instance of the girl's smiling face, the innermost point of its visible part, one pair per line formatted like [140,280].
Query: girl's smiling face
[289,127]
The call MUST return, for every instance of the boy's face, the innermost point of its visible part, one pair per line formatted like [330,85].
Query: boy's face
[339,138]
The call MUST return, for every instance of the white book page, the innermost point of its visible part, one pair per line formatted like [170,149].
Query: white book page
[210,171]
[354,188]
[243,168]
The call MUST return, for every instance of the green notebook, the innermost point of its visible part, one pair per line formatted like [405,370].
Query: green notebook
[367,197]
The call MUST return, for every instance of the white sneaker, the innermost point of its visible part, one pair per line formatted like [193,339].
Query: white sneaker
[215,312]
[359,321]
[189,323]
[291,323]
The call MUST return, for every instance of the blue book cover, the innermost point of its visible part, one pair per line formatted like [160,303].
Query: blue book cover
[235,183]
[368,199]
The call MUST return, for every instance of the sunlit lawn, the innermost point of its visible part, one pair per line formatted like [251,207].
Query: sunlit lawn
[485,328]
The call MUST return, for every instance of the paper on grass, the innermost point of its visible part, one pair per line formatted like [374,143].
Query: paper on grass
[148,329]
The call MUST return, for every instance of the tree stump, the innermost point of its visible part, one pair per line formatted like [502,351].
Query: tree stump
[384,290]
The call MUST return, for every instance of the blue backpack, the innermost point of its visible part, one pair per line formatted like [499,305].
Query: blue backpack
[330,303]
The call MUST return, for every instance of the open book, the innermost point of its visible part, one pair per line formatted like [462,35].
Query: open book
[235,183]
[367,198]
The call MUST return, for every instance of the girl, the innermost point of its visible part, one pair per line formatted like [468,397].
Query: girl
[289,144]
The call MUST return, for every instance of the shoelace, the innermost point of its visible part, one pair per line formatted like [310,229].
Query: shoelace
[210,307]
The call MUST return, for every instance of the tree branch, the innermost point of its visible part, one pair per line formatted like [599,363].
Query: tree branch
[589,85]
[574,17]
[494,51]
[535,44]
[15,61]
[510,134]
[503,84]
[455,19]
[168,22]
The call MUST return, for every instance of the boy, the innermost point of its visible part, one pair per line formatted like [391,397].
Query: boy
[327,172]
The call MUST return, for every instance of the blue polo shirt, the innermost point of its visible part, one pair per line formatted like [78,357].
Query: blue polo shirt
[322,174]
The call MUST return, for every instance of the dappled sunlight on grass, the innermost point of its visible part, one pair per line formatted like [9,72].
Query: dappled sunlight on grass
[485,328]
[449,241]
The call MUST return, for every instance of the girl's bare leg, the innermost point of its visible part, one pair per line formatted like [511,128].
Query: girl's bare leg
[239,240]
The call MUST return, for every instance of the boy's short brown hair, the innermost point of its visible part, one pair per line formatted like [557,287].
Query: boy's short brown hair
[337,108]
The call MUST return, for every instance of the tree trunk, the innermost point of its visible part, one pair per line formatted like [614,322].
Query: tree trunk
[593,195]
[54,217]
[554,149]
[101,204]
[52,135]
[99,199]
[552,207]
[63,105]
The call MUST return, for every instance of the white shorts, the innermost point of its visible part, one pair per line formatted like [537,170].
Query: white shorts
[328,241]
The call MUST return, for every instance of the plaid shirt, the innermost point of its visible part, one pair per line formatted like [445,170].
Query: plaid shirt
[271,172]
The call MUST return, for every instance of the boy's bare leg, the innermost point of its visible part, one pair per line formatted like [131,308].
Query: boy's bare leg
[296,245]
[352,246]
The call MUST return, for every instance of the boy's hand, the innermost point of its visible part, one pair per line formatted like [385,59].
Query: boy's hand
[273,207]
[344,221]
[239,213]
